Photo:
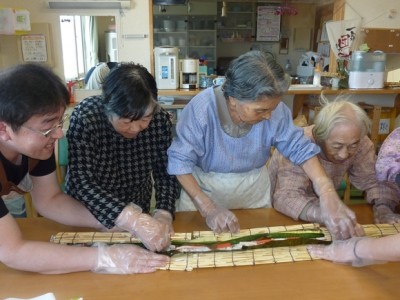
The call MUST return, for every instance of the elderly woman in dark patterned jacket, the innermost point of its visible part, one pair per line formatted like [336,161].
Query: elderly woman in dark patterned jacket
[118,145]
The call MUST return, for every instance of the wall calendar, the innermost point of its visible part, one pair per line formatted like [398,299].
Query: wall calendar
[34,48]
[268,24]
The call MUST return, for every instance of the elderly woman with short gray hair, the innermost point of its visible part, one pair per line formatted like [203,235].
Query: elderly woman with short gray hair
[224,138]
[340,129]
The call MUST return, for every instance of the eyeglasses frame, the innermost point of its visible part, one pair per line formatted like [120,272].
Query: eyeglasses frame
[49,132]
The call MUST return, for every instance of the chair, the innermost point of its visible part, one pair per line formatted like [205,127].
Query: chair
[61,151]
[29,208]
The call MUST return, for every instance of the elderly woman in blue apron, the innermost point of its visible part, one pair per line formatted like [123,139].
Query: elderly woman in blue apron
[224,138]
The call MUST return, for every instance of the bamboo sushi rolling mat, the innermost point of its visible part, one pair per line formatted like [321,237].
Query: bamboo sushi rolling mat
[189,260]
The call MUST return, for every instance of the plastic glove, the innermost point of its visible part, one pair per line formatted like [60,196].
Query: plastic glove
[152,233]
[384,215]
[127,259]
[219,219]
[338,218]
[342,252]
[164,217]
[312,213]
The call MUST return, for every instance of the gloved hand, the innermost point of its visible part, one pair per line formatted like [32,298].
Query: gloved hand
[384,215]
[338,218]
[164,217]
[127,259]
[152,233]
[312,213]
[342,252]
[218,219]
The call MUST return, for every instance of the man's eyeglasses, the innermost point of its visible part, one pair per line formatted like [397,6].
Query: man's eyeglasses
[50,131]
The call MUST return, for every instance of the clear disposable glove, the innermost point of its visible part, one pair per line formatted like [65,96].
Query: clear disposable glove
[127,259]
[384,215]
[151,232]
[344,252]
[164,217]
[338,218]
[218,219]
[312,213]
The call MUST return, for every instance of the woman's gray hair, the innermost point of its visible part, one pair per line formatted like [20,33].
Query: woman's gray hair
[339,111]
[253,75]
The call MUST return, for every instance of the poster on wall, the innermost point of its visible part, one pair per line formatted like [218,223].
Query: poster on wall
[34,48]
[268,24]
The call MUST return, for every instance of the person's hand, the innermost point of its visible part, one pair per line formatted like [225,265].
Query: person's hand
[218,219]
[344,252]
[127,259]
[222,220]
[164,217]
[338,218]
[384,215]
[152,233]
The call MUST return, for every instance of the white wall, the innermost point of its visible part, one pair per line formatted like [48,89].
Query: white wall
[133,21]
[374,13]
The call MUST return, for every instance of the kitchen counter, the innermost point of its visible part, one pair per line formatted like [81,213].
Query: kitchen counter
[301,280]
[299,95]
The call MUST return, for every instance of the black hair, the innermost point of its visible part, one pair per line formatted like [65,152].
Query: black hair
[129,90]
[27,90]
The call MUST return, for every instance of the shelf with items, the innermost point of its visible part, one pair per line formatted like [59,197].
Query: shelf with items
[203,40]
[194,35]
[239,23]
[171,30]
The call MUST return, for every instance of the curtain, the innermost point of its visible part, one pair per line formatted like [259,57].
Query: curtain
[90,41]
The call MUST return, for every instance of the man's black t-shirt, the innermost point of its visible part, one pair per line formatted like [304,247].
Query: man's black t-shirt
[15,173]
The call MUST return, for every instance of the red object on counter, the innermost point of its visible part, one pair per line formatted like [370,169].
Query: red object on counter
[70,86]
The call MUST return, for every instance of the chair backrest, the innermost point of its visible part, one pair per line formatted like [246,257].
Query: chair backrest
[61,160]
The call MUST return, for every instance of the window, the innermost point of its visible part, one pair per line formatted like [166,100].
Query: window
[72,47]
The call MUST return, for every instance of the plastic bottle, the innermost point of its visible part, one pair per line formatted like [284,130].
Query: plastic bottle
[317,75]
[288,66]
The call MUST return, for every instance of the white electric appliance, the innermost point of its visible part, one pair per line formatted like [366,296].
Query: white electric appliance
[189,73]
[166,67]
[367,70]
[111,46]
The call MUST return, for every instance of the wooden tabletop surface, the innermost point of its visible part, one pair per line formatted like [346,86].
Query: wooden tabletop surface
[301,280]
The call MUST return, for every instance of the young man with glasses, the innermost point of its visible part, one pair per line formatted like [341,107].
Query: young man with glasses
[32,105]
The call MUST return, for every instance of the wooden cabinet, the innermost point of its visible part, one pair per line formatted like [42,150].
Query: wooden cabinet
[386,40]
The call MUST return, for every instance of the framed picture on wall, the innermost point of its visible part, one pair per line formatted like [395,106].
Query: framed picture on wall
[268,24]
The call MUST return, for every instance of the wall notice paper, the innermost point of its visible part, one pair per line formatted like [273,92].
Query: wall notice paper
[255,246]
[268,24]
[34,48]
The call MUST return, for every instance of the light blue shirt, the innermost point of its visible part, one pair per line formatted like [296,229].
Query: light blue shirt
[202,142]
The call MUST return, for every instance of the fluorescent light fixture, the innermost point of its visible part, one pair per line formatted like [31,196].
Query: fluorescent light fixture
[169,2]
[88,4]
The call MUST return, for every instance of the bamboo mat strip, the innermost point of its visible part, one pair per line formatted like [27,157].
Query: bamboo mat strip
[189,261]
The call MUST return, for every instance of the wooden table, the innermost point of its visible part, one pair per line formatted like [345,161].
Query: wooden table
[302,280]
